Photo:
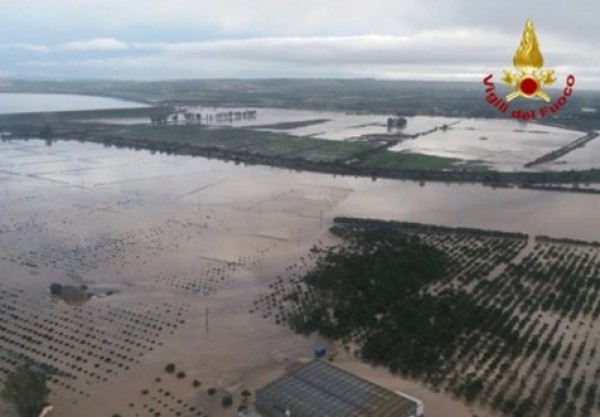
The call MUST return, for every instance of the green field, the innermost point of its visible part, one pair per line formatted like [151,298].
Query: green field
[246,141]
[406,160]
[242,141]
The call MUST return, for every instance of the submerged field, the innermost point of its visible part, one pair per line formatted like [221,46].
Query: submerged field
[352,142]
[176,249]
[500,319]
[492,144]
[193,265]
[502,144]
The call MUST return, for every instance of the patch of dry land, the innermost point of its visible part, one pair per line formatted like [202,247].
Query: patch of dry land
[186,261]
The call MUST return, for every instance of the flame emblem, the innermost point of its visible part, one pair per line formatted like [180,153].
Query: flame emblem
[528,60]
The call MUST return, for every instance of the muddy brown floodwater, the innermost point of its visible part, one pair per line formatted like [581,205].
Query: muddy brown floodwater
[188,244]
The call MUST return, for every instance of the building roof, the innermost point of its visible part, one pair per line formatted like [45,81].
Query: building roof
[321,389]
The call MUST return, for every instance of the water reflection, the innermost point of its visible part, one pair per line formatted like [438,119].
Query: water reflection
[27,103]
[502,144]
[70,173]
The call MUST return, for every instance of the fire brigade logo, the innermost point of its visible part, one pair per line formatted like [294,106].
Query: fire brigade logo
[528,60]
[528,79]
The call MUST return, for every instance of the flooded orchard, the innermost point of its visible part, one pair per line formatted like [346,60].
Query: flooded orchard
[175,250]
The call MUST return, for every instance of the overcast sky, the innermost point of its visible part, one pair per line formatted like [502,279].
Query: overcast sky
[392,39]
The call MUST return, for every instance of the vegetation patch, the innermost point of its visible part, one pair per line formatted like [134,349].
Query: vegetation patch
[27,390]
[497,318]
[367,287]
[246,141]
[406,160]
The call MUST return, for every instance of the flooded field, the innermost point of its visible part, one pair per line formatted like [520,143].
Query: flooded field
[188,245]
[503,144]
[498,144]
[327,125]
[318,124]
[581,158]
[26,103]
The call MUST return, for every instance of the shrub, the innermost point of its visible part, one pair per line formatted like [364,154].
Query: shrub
[27,389]
[170,368]
[56,289]
[227,400]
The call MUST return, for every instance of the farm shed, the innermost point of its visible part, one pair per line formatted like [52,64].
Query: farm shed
[321,389]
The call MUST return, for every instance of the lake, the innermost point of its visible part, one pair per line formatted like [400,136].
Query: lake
[27,103]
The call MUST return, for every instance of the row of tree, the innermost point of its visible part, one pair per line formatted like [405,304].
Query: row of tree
[164,117]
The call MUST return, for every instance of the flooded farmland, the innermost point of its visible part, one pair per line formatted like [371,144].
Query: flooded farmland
[497,144]
[176,250]
[329,125]
[581,158]
[502,144]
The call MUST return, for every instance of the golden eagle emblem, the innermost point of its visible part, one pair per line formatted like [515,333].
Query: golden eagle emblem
[531,77]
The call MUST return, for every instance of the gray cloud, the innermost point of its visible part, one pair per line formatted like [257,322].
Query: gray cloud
[430,47]
[99,44]
[379,38]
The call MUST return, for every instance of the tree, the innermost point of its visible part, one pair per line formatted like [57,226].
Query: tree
[27,390]
[472,389]
[56,289]
[227,400]
[246,397]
